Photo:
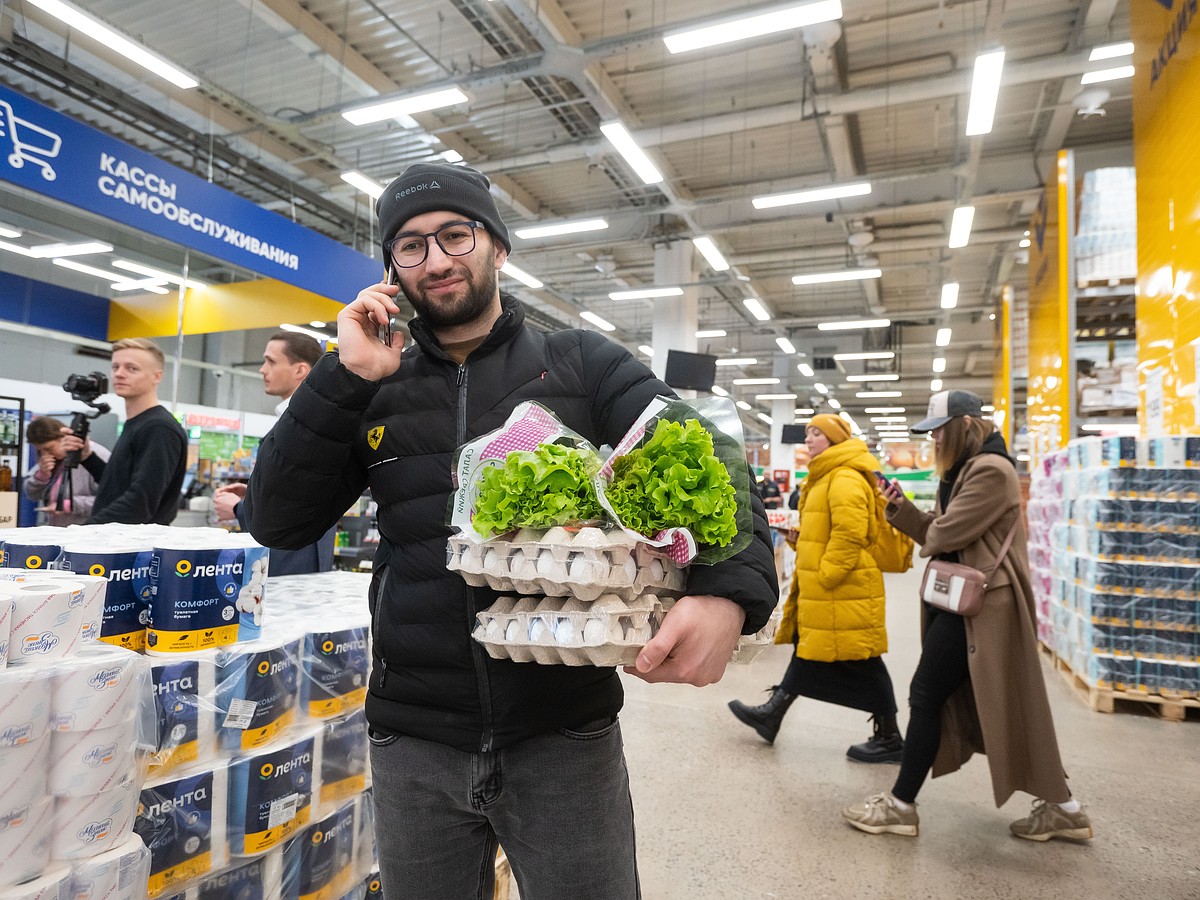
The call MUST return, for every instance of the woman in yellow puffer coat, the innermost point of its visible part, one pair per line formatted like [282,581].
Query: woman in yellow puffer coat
[835,610]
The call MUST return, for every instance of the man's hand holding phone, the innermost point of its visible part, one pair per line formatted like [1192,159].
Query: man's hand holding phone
[366,345]
[889,489]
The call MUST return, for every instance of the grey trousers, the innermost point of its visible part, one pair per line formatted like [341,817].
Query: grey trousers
[558,803]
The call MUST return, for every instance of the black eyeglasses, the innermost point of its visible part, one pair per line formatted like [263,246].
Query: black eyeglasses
[456,239]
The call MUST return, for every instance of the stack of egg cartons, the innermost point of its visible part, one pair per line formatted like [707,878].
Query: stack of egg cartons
[1106,234]
[262,779]
[1125,598]
[73,736]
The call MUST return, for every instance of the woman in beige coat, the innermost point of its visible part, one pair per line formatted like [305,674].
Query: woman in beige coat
[979,681]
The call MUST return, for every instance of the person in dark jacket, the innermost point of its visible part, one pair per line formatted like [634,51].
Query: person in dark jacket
[468,751]
[141,481]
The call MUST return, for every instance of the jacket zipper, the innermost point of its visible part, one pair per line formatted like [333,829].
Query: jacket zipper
[477,651]
[379,624]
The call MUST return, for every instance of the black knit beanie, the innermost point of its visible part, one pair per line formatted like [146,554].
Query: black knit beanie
[429,187]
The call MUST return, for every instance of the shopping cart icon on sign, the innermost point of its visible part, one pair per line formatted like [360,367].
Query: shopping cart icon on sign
[30,142]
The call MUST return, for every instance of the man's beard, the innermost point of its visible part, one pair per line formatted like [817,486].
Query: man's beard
[480,292]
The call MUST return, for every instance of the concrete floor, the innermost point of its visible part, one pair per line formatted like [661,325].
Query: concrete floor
[722,815]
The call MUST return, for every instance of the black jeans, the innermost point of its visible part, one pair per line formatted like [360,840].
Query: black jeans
[941,670]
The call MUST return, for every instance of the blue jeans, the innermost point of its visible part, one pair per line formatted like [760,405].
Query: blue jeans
[558,803]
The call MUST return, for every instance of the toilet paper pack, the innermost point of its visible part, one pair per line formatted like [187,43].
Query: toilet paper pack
[6,608]
[53,885]
[24,771]
[100,686]
[186,706]
[327,859]
[25,835]
[91,619]
[47,619]
[256,692]
[89,825]
[181,818]
[374,886]
[88,762]
[125,571]
[118,874]
[32,548]
[272,792]
[260,878]
[24,704]
[334,670]
[344,752]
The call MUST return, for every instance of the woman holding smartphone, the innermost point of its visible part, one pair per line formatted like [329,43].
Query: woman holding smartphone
[835,612]
[979,680]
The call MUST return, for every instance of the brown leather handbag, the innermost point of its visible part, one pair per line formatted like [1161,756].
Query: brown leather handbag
[957,588]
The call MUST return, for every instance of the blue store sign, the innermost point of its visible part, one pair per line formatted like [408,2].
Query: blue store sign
[52,154]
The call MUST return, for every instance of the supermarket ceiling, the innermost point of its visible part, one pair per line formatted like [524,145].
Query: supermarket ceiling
[878,97]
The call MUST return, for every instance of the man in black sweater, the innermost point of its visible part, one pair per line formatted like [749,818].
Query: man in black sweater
[140,482]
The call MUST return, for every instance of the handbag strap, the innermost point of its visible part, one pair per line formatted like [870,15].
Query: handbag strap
[1012,533]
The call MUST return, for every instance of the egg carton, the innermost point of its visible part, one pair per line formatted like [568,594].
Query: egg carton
[751,645]
[607,631]
[585,564]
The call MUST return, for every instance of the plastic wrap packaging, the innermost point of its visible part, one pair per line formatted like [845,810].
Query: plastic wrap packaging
[6,609]
[332,857]
[334,667]
[31,548]
[373,887]
[260,878]
[182,819]
[91,620]
[119,874]
[26,832]
[272,792]
[54,884]
[25,772]
[185,701]
[207,594]
[90,824]
[24,704]
[584,563]
[126,569]
[99,687]
[257,692]
[344,755]
[46,621]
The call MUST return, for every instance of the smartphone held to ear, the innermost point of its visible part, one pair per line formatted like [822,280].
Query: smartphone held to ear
[394,323]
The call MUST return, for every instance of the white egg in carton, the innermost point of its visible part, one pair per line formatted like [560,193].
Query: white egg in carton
[608,631]
[584,564]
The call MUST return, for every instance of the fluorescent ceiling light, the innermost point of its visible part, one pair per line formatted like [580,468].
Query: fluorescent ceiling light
[540,231]
[15,248]
[90,270]
[1111,51]
[7,231]
[82,248]
[834,403]
[950,295]
[802,412]
[150,285]
[870,354]
[452,156]
[814,195]
[619,135]
[711,333]
[882,428]
[943,337]
[878,395]
[707,249]
[806,370]
[161,274]
[406,106]
[830,277]
[960,226]
[719,391]
[757,309]
[988,408]
[1024,243]
[597,321]
[891,420]
[1107,75]
[646,293]
[520,275]
[774,396]
[935,385]
[738,361]
[939,364]
[884,410]
[299,329]
[756,380]
[820,388]
[766,418]
[753,26]
[316,324]
[368,186]
[742,404]
[785,345]
[103,34]
[854,323]
[985,89]
[894,440]
[648,351]
[873,377]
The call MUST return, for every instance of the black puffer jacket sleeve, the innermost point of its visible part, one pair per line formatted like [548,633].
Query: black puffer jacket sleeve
[621,387]
[307,476]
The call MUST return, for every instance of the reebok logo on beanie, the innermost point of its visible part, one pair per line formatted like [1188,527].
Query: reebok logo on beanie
[432,187]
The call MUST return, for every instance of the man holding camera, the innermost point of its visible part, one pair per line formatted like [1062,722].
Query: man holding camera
[140,482]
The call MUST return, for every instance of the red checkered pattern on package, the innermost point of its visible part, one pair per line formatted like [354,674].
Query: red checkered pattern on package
[525,434]
[622,448]
[682,548]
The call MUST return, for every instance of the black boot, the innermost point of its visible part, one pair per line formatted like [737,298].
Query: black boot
[885,745]
[767,718]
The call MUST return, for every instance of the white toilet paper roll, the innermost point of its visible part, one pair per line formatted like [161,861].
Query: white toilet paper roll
[24,704]
[185,702]
[24,771]
[46,622]
[54,885]
[182,820]
[99,687]
[6,608]
[87,762]
[95,823]
[119,874]
[25,833]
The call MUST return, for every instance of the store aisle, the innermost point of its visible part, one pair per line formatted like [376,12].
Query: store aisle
[721,815]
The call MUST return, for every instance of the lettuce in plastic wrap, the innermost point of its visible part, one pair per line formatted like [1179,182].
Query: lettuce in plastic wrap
[548,486]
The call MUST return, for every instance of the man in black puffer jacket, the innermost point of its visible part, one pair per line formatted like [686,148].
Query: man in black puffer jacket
[468,750]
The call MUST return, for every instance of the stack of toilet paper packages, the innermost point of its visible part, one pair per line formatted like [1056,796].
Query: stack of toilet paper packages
[580,597]
[168,590]
[73,739]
